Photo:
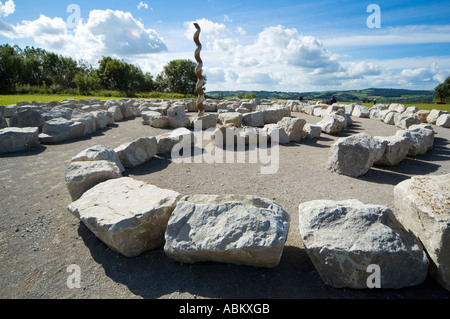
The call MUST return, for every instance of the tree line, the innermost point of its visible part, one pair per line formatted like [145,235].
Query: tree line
[34,70]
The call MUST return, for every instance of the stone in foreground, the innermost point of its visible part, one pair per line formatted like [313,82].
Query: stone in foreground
[129,216]
[355,155]
[237,229]
[343,238]
[81,176]
[423,207]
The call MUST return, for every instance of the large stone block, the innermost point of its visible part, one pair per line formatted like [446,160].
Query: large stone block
[99,153]
[137,152]
[293,127]
[355,155]
[60,130]
[81,176]
[129,216]
[14,139]
[423,207]
[397,148]
[344,238]
[236,229]
[421,137]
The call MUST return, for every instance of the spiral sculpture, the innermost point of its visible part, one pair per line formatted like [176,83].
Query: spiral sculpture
[198,71]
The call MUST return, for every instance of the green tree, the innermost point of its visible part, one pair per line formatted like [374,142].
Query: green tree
[11,65]
[121,76]
[179,77]
[442,91]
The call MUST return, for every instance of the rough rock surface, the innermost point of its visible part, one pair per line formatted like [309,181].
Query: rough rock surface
[343,238]
[81,176]
[355,155]
[397,148]
[293,127]
[423,207]
[421,137]
[60,130]
[165,142]
[127,215]
[137,152]
[13,139]
[236,229]
[99,153]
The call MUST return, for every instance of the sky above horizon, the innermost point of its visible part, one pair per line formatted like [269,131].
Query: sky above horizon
[285,45]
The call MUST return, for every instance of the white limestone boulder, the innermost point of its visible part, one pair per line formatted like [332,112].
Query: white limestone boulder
[276,133]
[27,117]
[421,136]
[443,121]
[361,111]
[434,115]
[129,216]
[344,238]
[397,148]
[423,207]
[355,155]
[311,131]
[293,127]
[254,119]
[237,229]
[137,152]
[206,121]
[99,153]
[60,130]
[177,117]
[332,124]
[81,176]
[230,118]
[14,139]
[165,142]
[154,119]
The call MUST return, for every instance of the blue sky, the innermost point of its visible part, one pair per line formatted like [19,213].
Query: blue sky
[281,45]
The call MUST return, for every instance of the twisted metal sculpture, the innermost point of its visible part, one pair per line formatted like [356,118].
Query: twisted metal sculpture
[198,72]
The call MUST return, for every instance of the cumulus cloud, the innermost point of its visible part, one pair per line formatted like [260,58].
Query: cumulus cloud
[7,8]
[210,30]
[105,32]
[142,5]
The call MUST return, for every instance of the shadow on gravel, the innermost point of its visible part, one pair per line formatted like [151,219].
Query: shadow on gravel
[153,275]
[156,164]
[38,149]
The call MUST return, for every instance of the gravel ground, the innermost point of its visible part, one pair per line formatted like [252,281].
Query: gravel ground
[39,238]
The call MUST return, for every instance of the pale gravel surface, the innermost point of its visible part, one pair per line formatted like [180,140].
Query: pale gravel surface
[39,238]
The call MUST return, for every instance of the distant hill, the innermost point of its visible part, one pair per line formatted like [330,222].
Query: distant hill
[367,95]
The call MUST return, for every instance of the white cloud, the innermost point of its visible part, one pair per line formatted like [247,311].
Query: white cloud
[241,31]
[226,18]
[209,30]
[109,33]
[7,8]
[143,5]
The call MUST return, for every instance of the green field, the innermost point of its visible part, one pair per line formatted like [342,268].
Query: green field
[13,99]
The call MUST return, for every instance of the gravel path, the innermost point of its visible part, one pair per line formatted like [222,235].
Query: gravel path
[39,238]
